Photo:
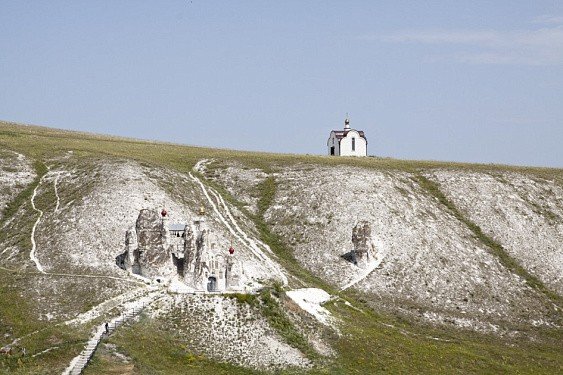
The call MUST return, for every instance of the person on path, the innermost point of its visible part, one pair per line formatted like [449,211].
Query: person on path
[23,351]
[107,328]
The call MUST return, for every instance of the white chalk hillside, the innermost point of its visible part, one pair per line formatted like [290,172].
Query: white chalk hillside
[429,265]
[423,262]
[525,215]
[78,233]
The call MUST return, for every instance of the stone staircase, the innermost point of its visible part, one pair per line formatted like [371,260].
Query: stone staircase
[80,362]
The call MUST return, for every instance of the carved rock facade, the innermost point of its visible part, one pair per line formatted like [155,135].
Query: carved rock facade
[154,249]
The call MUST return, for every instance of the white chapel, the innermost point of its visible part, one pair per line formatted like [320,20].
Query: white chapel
[347,142]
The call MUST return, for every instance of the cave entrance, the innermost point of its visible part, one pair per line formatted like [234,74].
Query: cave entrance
[212,284]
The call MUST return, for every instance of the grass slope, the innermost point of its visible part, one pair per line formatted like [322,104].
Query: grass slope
[368,343]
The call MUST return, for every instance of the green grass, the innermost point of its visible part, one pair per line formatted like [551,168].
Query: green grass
[267,192]
[63,342]
[22,199]
[368,344]
[14,316]
[371,346]
[155,350]
[40,143]
[268,302]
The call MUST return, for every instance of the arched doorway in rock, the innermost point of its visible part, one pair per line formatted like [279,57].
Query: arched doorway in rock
[212,284]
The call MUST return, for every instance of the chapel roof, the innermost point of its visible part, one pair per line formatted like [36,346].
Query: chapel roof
[339,134]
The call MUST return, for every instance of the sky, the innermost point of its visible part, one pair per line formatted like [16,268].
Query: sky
[470,81]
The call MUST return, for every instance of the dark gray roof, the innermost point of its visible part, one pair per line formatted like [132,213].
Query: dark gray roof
[339,134]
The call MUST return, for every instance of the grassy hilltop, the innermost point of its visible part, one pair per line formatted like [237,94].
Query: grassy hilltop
[390,322]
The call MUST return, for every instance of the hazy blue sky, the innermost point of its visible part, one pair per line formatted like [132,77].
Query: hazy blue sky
[476,81]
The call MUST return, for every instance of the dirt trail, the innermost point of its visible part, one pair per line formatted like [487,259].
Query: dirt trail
[57,175]
[32,254]
[230,223]
[365,273]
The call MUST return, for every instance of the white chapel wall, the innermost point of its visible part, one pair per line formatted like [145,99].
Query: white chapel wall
[346,145]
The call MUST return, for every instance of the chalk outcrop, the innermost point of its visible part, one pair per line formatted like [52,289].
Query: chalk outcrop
[364,244]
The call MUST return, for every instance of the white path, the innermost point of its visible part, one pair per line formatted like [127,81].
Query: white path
[32,254]
[228,211]
[57,192]
[235,229]
[140,281]
[311,300]
[44,351]
[252,242]
[365,273]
